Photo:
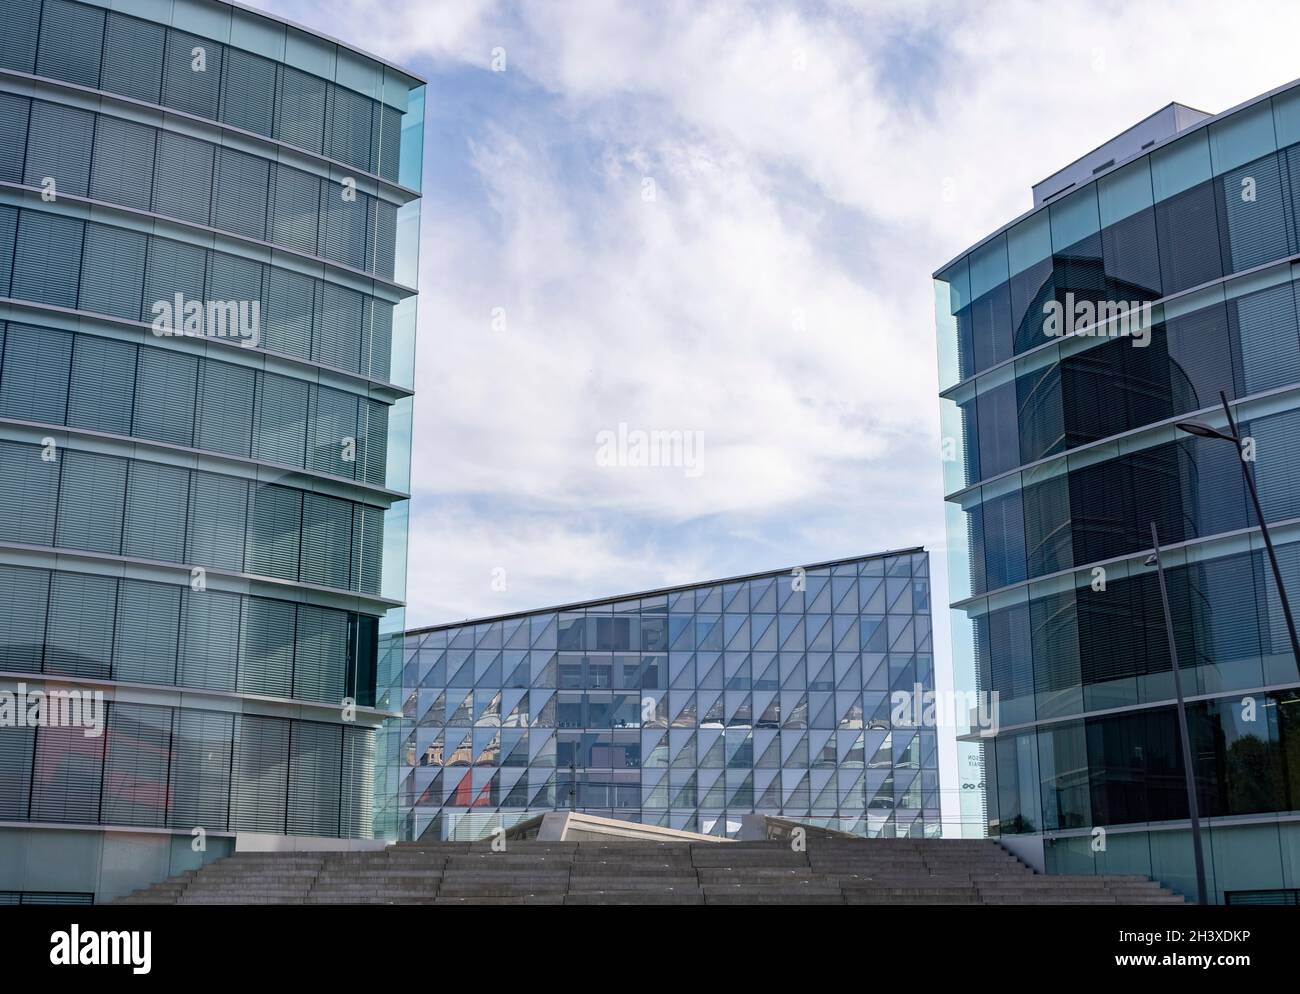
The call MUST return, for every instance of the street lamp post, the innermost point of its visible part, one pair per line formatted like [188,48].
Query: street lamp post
[1183,736]
[1199,428]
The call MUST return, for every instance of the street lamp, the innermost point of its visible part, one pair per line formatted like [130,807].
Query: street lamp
[1183,737]
[1202,430]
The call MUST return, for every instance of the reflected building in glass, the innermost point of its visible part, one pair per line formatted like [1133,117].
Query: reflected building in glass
[686,707]
[209,528]
[1172,250]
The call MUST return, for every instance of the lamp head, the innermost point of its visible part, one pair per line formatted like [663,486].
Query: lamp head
[1202,430]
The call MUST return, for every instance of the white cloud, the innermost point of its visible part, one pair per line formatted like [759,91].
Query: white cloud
[774,295]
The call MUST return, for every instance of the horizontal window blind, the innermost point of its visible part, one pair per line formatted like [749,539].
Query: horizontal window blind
[281,420]
[377,344]
[29,488]
[122,168]
[248,91]
[381,254]
[79,629]
[274,529]
[24,595]
[209,640]
[374,453]
[326,540]
[388,142]
[334,433]
[69,770]
[367,549]
[300,118]
[295,209]
[218,512]
[13,136]
[338,327]
[350,127]
[59,140]
[261,772]
[173,268]
[34,377]
[18,40]
[266,647]
[188,84]
[200,772]
[8,232]
[239,204]
[315,758]
[133,57]
[90,501]
[343,232]
[183,178]
[137,758]
[290,311]
[233,278]
[145,634]
[112,271]
[102,391]
[225,408]
[17,748]
[166,385]
[157,499]
[47,259]
[72,38]
[356,807]
[321,661]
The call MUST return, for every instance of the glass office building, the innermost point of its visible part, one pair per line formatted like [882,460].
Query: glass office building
[1173,249]
[684,708]
[208,529]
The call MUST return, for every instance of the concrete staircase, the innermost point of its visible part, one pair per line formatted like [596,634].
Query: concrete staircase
[830,871]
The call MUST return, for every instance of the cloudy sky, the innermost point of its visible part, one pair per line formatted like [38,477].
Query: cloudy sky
[720,218]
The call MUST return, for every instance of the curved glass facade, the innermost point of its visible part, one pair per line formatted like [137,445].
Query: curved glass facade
[685,708]
[209,225]
[1178,270]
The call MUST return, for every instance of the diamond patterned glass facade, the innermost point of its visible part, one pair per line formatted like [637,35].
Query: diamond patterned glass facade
[685,708]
